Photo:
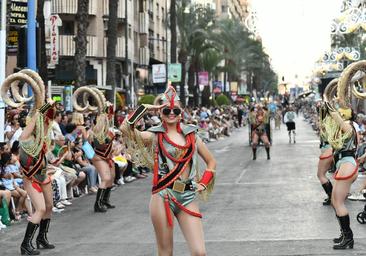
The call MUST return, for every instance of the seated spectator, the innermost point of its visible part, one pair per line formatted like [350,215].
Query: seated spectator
[70,174]
[59,176]
[86,167]
[7,160]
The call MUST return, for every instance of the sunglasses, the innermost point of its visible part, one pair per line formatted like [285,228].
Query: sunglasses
[167,111]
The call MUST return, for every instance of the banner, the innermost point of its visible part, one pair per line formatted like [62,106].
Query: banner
[217,87]
[234,86]
[55,22]
[159,73]
[68,97]
[175,72]
[203,78]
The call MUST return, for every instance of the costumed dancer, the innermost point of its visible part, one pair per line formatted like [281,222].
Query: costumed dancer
[171,150]
[342,136]
[103,136]
[34,143]
[258,131]
[326,156]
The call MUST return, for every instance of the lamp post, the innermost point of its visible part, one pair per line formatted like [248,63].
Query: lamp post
[31,39]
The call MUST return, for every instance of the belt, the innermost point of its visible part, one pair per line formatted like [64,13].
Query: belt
[342,154]
[346,153]
[179,186]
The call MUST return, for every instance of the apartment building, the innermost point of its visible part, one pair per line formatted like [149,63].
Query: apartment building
[146,43]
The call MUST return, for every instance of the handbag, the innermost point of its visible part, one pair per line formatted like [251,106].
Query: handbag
[88,150]
[4,213]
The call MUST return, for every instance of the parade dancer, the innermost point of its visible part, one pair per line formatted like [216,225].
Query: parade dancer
[34,143]
[342,137]
[171,150]
[103,136]
[326,156]
[289,120]
[258,131]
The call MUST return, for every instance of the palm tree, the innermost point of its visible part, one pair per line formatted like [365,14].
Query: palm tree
[81,42]
[42,63]
[193,31]
[173,32]
[111,48]
[210,61]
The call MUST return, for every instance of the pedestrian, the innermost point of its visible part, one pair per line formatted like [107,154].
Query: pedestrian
[34,143]
[171,149]
[289,120]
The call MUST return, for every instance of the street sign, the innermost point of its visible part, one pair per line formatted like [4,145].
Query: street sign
[175,72]
[159,73]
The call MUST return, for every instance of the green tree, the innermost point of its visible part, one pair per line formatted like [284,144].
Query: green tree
[147,99]
[222,100]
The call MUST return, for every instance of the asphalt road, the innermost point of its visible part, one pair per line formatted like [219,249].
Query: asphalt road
[258,208]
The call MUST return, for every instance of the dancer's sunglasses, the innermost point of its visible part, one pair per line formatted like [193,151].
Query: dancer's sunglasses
[167,111]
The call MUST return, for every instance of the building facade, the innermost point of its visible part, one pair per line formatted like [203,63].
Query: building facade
[237,9]
[146,43]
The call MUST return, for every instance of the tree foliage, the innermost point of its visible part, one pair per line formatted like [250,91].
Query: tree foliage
[205,42]
[147,99]
[222,100]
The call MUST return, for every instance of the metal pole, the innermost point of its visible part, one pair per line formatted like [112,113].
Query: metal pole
[31,38]
[166,40]
[2,64]
[126,53]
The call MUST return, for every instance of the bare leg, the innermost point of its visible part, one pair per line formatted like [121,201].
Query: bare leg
[38,202]
[192,230]
[342,187]
[104,172]
[113,175]
[324,165]
[163,233]
[48,198]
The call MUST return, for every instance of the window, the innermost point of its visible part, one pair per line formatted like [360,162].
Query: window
[129,32]
[158,41]
[162,14]
[163,42]
[151,41]
[67,28]
[157,10]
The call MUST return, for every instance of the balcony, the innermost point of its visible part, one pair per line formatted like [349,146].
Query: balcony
[120,11]
[144,56]
[71,6]
[144,23]
[120,48]
[67,46]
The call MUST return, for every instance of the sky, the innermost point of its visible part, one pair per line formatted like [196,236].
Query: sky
[295,33]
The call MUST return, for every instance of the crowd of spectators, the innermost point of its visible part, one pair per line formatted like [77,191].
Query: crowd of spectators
[72,174]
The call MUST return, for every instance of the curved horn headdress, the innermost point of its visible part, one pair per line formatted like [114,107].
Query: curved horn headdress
[331,90]
[348,79]
[86,92]
[33,80]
